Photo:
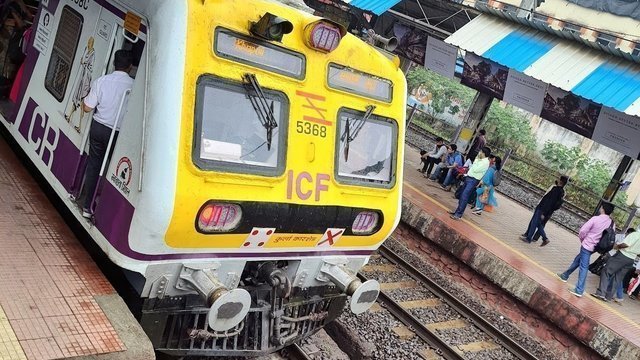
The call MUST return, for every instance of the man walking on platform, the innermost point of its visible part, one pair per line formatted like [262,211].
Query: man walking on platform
[550,202]
[589,235]
[105,96]
[617,266]
[474,175]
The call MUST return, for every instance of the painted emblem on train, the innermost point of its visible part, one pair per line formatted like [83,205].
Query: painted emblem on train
[122,176]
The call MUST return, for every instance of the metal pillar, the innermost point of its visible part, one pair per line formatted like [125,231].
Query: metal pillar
[411,114]
[474,116]
[616,181]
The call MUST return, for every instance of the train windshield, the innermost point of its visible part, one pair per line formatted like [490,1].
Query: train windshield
[369,156]
[230,134]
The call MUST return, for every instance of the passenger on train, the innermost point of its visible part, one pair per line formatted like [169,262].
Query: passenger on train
[13,16]
[474,175]
[617,266]
[485,194]
[105,97]
[433,157]
[589,236]
[452,160]
[550,202]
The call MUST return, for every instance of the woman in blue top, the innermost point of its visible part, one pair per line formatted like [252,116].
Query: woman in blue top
[486,184]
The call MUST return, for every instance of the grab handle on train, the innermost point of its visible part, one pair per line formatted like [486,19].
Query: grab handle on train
[363,295]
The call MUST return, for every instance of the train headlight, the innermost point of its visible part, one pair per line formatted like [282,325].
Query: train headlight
[271,27]
[365,223]
[218,217]
[323,35]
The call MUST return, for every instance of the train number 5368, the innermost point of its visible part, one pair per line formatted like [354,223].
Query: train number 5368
[308,128]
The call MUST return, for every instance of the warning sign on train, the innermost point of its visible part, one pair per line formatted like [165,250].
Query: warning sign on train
[122,176]
[43,32]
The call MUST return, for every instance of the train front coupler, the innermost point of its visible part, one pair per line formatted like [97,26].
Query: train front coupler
[363,295]
[227,307]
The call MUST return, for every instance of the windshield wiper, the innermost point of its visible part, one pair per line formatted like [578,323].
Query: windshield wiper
[260,104]
[351,134]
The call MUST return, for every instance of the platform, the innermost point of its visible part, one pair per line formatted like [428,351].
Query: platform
[54,301]
[489,243]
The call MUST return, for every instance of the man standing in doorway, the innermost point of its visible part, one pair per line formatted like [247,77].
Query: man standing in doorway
[590,234]
[105,97]
[550,202]
[474,175]
[478,144]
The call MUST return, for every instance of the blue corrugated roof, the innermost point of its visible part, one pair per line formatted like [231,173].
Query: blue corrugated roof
[375,6]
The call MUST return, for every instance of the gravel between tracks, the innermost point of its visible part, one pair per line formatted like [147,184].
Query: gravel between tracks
[471,301]
[375,328]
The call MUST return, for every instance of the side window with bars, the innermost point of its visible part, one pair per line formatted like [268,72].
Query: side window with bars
[63,53]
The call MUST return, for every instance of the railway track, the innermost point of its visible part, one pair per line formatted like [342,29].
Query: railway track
[294,352]
[428,297]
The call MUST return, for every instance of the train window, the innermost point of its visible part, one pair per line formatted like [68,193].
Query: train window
[366,149]
[229,135]
[63,52]
[255,52]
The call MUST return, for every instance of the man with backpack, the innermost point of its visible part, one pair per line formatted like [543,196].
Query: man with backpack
[550,202]
[617,266]
[598,228]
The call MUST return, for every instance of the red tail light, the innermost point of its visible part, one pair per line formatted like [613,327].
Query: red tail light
[365,223]
[323,35]
[218,217]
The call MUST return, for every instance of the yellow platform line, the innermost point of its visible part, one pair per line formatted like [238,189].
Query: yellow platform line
[10,348]
[598,302]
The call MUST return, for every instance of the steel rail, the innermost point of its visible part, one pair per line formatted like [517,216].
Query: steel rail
[478,320]
[428,336]
[295,352]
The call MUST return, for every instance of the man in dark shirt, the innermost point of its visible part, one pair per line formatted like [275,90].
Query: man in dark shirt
[550,202]
[479,142]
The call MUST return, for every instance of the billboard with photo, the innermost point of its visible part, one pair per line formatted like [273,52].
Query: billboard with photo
[412,43]
[484,75]
[570,111]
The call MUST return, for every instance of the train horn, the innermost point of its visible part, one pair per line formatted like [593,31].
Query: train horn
[363,295]
[227,308]
[389,44]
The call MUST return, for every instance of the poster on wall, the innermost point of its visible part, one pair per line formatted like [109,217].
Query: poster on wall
[412,43]
[441,57]
[570,111]
[618,131]
[484,75]
[525,92]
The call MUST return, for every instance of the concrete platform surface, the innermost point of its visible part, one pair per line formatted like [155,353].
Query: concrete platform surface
[489,243]
[54,301]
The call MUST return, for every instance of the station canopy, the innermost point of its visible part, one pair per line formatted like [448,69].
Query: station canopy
[589,73]
[375,6]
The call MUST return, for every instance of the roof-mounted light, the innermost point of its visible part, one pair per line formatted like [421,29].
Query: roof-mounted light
[271,27]
[324,35]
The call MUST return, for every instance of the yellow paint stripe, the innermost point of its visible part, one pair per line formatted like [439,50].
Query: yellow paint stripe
[479,229]
[10,348]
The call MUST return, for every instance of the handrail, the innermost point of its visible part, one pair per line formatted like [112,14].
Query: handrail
[144,107]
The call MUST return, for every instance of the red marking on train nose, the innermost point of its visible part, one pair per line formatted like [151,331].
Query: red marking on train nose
[246,244]
[255,232]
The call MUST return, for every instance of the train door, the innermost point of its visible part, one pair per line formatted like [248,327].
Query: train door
[116,170]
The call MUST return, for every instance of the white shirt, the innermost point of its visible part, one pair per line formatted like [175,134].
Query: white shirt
[105,96]
[619,240]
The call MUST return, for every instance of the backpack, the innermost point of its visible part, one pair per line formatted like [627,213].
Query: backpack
[497,177]
[607,240]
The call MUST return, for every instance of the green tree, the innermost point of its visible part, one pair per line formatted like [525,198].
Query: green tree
[508,128]
[446,94]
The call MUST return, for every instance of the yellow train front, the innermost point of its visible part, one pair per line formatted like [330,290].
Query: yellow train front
[288,177]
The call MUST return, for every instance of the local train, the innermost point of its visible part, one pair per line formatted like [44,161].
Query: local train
[257,167]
